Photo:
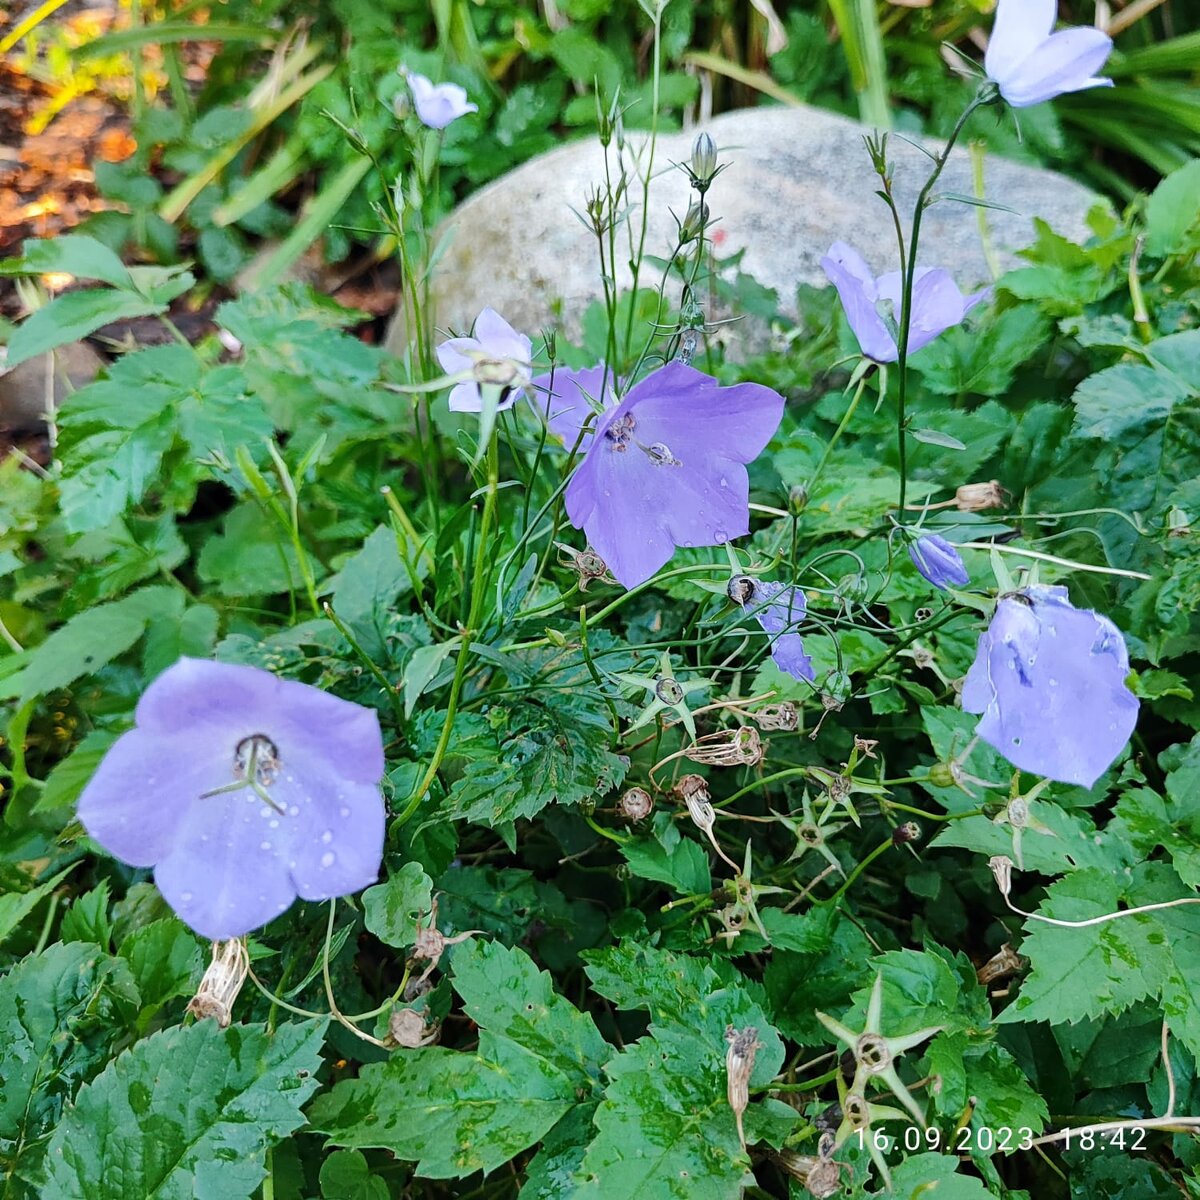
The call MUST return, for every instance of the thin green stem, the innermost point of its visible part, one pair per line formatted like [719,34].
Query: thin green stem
[882,848]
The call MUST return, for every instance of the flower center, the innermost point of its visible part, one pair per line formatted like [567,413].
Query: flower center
[620,431]
[256,760]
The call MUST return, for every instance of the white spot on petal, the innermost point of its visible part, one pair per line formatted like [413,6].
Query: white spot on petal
[328,858]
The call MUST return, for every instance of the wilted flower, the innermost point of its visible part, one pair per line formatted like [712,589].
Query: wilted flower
[1029,63]
[938,561]
[438,104]
[778,608]
[409,1029]
[1049,681]
[496,355]
[429,942]
[741,747]
[937,304]
[565,399]
[635,804]
[587,564]
[739,1066]
[222,982]
[975,497]
[242,791]
[666,468]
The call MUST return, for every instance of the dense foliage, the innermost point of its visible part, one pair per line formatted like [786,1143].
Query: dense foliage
[710,885]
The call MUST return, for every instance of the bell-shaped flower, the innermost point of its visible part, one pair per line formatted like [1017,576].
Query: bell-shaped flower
[778,608]
[667,467]
[938,561]
[1049,681]
[566,398]
[1029,63]
[242,791]
[496,355]
[937,304]
[438,104]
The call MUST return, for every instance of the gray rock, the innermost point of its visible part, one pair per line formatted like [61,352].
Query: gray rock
[25,388]
[797,179]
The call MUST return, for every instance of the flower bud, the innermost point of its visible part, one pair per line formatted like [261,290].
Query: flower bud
[694,222]
[797,499]
[704,162]
[942,775]
[635,805]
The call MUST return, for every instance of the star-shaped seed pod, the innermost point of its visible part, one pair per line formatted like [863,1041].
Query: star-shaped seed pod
[667,694]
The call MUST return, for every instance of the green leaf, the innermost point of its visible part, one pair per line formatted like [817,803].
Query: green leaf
[422,669]
[988,1076]
[250,557]
[187,1112]
[560,1155]
[72,316]
[94,638]
[555,750]
[16,906]
[665,1130]
[932,1175]
[1173,212]
[454,1113]
[166,962]
[87,919]
[67,779]
[391,909]
[669,857]
[982,361]
[346,1175]
[366,588]
[59,1013]
[72,254]
[1104,968]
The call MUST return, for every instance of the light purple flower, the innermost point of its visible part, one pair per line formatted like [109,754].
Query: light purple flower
[438,104]
[778,608]
[666,468]
[1030,64]
[938,561]
[497,354]
[564,400]
[174,793]
[1049,681]
[937,304]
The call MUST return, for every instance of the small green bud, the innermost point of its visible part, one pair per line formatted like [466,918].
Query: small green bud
[797,499]
[694,222]
[941,775]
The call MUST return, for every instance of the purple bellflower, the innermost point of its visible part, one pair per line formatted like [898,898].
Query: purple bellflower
[667,467]
[778,608]
[937,304]
[497,354]
[1029,63]
[1049,681]
[938,561]
[438,104]
[565,399]
[242,791]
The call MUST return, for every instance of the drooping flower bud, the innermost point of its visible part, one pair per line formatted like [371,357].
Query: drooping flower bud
[739,1065]
[693,222]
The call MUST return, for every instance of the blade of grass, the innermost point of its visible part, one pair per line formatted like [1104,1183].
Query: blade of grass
[287,164]
[758,80]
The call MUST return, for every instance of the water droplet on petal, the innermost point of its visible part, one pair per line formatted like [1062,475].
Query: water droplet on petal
[185,897]
[720,536]
[273,824]
[343,811]
[294,811]
[327,836]
[264,845]
[328,858]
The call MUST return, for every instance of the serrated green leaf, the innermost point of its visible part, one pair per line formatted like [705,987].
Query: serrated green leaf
[346,1175]
[369,582]
[16,906]
[455,1113]
[186,1112]
[166,962]
[72,316]
[391,909]
[1173,211]
[87,919]
[73,988]
[982,361]
[665,1131]
[933,1174]
[1104,968]
[94,638]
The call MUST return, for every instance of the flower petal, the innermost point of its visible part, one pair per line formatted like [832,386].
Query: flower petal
[1064,62]
[856,289]
[134,804]
[227,873]
[499,339]
[1020,26]
[313,725]
[562,400]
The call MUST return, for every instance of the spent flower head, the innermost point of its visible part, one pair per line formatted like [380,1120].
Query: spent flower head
[1029,63]
[1049,682]
[438,104]
[242,791]
[666,468]
[872,304]
[497,355]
